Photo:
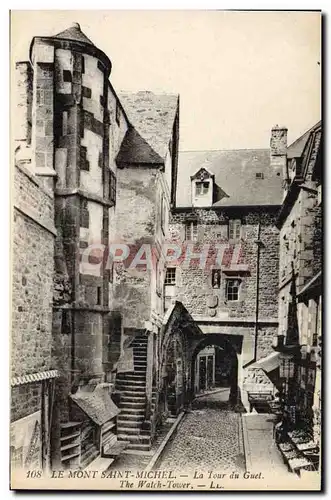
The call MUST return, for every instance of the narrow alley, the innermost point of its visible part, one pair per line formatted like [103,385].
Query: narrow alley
[210,437]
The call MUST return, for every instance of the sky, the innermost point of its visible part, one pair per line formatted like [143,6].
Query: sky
[237,73]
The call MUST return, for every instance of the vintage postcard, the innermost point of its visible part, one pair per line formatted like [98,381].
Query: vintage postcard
[166,250]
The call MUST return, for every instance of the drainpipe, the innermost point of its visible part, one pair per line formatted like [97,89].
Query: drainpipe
[257,284]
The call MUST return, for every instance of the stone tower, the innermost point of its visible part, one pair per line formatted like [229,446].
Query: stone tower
[75,118]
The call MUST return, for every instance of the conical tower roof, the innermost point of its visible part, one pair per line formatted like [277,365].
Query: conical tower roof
[74,33]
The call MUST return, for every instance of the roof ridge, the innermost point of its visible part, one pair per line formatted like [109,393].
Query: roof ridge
[215,150]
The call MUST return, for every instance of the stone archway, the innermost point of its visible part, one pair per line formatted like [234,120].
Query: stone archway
[219,341]
[172,376]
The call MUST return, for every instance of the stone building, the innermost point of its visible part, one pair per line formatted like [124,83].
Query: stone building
[70,125]
[300,284]
[149,256]
[91,149]
[146,175]
[33,235]
[226,208]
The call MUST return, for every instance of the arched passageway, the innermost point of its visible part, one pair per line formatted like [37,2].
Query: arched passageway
[173,391]
[214,363]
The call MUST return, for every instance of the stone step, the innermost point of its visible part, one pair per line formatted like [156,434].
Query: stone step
[140,368]
[140,362]
[133,392]
[132,405]
[133,424]
[114,450]
[132,388]
[128,431]
[134,439]
[137,378]
[139,446]
[126,385]
[130,375]
[135,398]
[131,416]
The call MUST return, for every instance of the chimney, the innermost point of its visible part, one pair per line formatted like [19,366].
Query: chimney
[278,147]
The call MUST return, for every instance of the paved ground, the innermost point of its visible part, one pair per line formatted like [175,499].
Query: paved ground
[209,437]
[262,453]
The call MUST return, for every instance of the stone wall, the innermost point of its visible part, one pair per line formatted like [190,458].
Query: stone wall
[194,284]
[32,288]
[33,262]
[135,226]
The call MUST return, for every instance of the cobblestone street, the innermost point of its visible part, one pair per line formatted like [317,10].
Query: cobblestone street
[210,437]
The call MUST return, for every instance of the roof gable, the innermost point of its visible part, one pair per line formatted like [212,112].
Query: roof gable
[134,149]
[202,174]
[152,116]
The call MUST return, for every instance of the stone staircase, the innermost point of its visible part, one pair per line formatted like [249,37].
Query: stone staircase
[131,385]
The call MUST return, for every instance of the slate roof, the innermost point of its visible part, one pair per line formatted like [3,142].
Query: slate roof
[74,33]
[295,149]
[235,177]
[134,149]
[152,116]
[97,405]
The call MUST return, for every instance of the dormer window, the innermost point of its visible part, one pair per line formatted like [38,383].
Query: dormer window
[201,188]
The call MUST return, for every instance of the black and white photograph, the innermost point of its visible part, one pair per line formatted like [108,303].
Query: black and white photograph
[166,250]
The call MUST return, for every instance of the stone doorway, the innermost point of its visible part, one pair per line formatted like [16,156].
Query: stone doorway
[214,365]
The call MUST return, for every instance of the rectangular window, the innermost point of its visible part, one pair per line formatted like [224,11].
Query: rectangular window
[99,296]
[84,163]
[117,113]
[83,244]
[65,322]
[112,186]
[201,188]
[84,214]
[64,123]
[216,278]
[170,277]
[67,75]
[259,175]
[86,92]
[234,229]
[100,159]
[232,289]
[191,231]
[83,64]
